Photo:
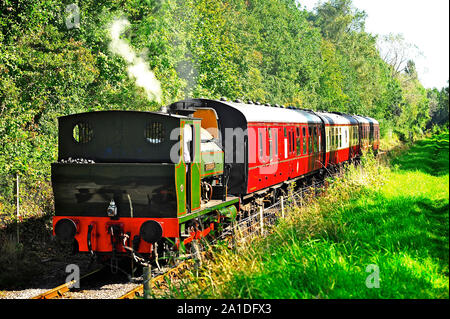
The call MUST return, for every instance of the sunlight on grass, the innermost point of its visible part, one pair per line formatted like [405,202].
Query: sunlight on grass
[395,217]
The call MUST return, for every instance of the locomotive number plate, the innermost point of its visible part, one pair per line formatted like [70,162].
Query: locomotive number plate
[210,166]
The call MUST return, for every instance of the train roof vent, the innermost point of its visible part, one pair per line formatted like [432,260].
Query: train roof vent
[238,101]
[223,98]
[258,103]
[250,102]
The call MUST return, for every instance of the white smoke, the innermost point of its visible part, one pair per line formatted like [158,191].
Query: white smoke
[137,66]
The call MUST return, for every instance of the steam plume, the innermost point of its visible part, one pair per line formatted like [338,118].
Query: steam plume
[137,66]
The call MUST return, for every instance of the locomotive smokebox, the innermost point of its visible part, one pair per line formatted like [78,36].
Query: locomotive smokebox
[65,229]
[151,231]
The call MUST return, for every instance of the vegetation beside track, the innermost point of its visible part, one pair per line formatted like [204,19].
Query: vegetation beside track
[387,216]
[35,256]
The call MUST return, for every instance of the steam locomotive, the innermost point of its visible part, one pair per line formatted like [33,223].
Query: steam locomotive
[152,183]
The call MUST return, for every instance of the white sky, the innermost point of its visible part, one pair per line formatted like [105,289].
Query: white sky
[423,23]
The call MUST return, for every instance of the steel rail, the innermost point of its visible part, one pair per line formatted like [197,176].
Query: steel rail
[59,291]
[158,280]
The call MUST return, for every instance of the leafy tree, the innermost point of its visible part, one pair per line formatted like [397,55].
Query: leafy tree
[264,50]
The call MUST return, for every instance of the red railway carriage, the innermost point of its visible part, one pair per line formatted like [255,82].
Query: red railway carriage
[369,132]
[341,133]
[282,144]
[363,132]
[374,133]
[264,145]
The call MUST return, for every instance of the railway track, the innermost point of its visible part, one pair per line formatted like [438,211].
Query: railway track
[158,282]
[65,291]
[61,290]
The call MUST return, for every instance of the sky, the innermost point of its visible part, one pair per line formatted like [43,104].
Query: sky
[422,23]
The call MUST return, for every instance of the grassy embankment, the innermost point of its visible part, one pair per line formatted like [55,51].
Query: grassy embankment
[394,216]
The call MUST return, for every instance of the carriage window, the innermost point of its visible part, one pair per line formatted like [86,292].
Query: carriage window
[318,140]
[82,133]
[154,133]
[298,141]
[309,140]
[290,141]
[350,131]
[291,135]
[260,146]
[315,139]
[328,140]
[275,135]
[304,140]
[336,138]
[340,138]
[293,141]
[269,131]
[332,138]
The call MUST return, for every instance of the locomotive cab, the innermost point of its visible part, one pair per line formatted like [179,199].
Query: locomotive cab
[143,174]
[117,168]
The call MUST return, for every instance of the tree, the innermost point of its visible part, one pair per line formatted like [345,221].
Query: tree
[396,51]
[438,107]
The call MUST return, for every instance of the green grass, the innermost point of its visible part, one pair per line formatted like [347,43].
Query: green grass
[395,217]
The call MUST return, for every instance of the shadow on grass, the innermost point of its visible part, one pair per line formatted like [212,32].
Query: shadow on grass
[402,224]
[406,237]
[429,156]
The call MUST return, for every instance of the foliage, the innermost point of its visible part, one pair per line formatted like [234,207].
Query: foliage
[392,216]
[263,50]
[438,102]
